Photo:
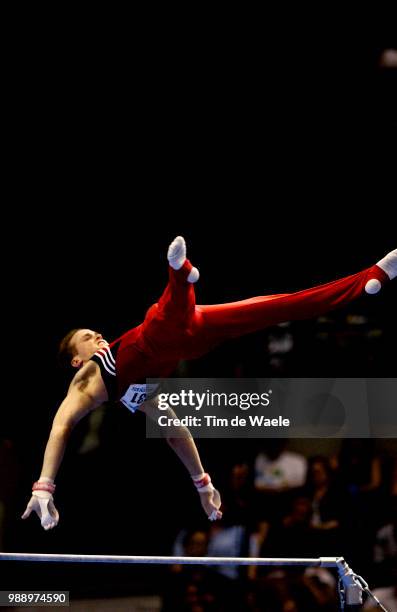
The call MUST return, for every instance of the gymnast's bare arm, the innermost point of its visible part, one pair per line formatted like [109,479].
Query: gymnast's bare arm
[182,443]
[86,392]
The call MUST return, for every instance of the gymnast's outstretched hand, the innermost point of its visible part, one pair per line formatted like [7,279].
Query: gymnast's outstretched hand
[211,502]
[209,496]
[42,503]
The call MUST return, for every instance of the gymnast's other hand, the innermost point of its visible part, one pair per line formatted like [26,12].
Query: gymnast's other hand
[42,503]
[211,502]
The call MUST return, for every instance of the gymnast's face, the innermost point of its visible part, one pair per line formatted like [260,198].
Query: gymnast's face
[84,344]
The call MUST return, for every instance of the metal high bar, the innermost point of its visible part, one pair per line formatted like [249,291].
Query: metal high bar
[161,560]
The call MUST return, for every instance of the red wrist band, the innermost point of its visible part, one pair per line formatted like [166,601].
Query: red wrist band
[203,482]
[43,486]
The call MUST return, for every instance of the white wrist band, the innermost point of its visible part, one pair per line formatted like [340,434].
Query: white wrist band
[206,488]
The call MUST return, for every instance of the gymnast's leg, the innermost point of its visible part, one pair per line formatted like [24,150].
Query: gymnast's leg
[170,318]
[223,321]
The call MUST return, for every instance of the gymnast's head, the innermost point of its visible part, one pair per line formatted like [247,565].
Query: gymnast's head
[78,346]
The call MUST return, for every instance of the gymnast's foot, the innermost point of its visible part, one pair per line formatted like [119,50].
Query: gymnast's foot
[177,256]
[389,266]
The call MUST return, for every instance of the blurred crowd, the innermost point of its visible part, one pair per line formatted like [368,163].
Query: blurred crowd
[284,504]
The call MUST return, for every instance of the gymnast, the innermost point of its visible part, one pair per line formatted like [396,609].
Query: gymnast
[175,328]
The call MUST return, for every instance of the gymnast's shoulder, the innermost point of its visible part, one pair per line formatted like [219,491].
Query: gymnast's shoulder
[88,380]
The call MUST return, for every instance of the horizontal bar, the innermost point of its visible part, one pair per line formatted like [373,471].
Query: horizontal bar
[321,561]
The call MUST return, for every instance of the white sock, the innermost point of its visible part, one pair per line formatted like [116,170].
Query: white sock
[177,253]
[389,264]
[194,275]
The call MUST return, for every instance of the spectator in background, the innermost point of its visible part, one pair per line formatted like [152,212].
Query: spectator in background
[295,590]
[278,470]
[284,536]
[239,496]
[277,473]
[359,467]
[385,548]
[292,535]
[311,590]
[386,595]
[360,478]
[226,540]
[325,503]
[198,588]
[230,539]
[190,543]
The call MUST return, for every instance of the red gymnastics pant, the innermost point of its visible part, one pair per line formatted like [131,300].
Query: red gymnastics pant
[176,328]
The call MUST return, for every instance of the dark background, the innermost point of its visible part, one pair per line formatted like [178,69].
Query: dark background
[276,160]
